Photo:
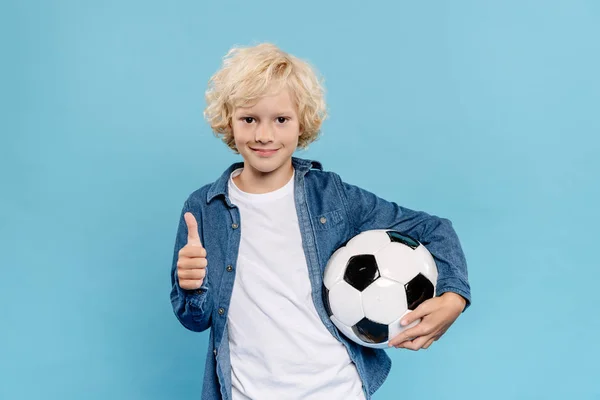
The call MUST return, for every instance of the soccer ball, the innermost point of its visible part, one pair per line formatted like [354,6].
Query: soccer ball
[375,279]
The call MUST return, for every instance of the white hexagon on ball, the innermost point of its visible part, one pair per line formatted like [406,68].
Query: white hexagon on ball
[384,301]
[427,262]
[390,261]
[336,267]
[368,242]
[346,303]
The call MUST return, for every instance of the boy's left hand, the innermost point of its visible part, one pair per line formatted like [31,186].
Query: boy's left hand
[437,314]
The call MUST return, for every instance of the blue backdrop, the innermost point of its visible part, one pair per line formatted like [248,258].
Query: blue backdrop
[486,112]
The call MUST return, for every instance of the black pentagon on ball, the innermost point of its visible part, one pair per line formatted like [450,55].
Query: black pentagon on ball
[326,301]
[361,271]
[418,290]
[398,237]
[370,332]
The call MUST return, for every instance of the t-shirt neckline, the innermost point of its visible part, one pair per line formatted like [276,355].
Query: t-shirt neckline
[236,192]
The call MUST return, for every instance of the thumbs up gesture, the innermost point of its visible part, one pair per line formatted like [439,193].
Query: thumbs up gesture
[191,264]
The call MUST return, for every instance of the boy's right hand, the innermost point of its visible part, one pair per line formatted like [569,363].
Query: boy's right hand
[191,264]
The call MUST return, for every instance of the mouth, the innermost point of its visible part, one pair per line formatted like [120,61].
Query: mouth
[264,152]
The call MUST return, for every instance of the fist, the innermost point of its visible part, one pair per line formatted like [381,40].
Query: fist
[191,264]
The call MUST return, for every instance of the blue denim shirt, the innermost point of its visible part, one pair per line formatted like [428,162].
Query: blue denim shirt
[347,211]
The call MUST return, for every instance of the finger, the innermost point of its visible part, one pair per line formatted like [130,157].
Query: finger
[192,226]
[417,343]
[429,343]
[189,284]
[419,312]
[194,274]
[191,251]
[192,263]
[409,334]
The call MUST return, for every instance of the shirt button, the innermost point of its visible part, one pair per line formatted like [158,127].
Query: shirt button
[221,311]
[215,352]
[234,226]
[229,268]
[323,220]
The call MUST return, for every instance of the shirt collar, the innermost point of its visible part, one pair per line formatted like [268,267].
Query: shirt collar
[219,187]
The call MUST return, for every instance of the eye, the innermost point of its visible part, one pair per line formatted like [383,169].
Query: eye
[248,120]
[281,120]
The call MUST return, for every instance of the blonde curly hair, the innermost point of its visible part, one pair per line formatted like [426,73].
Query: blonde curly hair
[249,73]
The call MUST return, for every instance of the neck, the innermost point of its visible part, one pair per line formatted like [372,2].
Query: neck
[257,182]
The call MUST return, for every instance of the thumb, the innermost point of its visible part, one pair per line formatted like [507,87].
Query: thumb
[192,226]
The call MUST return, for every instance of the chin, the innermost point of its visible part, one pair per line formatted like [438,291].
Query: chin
[266,165]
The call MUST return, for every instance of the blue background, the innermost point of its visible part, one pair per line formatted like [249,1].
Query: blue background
[483,112]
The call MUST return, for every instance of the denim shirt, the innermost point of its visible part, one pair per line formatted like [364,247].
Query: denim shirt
[330,212]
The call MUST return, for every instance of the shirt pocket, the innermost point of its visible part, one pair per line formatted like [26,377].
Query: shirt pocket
[329,220]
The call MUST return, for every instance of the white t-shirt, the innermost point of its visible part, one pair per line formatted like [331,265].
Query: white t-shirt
[280,349]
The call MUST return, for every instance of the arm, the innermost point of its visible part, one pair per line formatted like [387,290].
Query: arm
[367,211]
[191,307]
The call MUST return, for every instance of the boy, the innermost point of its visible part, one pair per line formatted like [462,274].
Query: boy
[251,247]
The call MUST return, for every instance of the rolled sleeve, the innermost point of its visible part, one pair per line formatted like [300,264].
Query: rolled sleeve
[368,211]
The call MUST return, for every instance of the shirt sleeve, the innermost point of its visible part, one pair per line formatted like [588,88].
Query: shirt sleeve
[367,211]
[191,307]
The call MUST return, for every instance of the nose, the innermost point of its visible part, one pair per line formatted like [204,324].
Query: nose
[264,134]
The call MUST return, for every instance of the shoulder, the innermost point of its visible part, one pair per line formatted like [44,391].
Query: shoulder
[202,197]
[317,174]
[327,178]
[321,179]
[322,174]
[198,197]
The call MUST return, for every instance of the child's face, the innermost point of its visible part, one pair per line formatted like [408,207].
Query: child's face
[270,125]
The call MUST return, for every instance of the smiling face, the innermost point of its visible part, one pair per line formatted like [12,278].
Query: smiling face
[266,135]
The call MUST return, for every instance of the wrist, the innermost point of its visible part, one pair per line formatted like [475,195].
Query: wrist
[455,298]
